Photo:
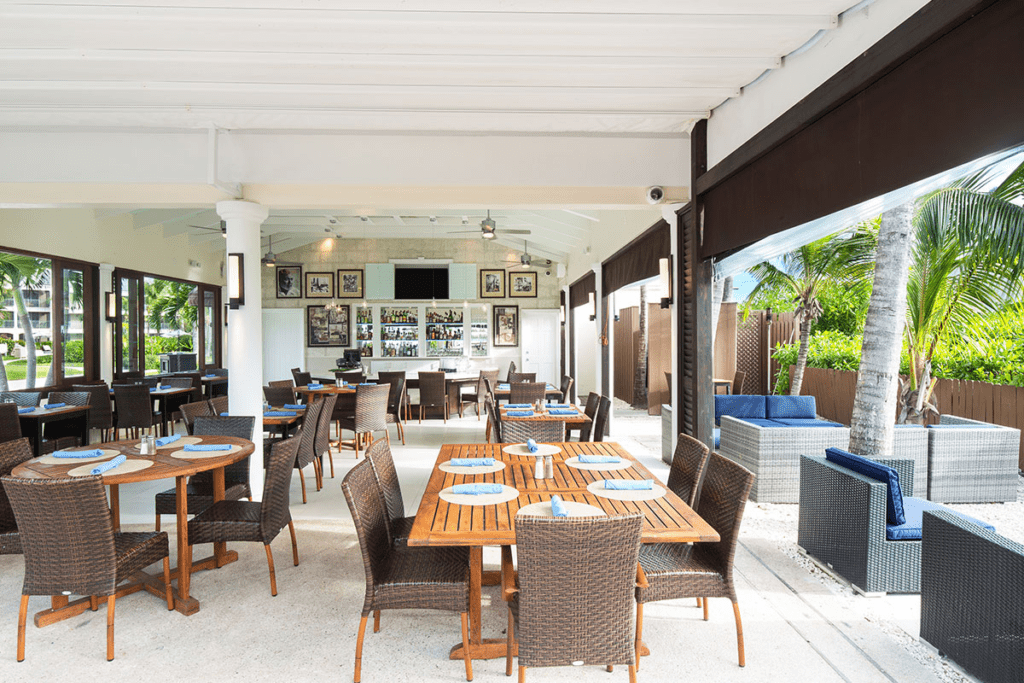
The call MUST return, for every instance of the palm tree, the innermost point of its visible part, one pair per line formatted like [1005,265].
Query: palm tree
[18,272]
[846,257]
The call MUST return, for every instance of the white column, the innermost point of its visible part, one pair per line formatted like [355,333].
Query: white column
[672,219]
[599,321]
[245,327]
[106,340]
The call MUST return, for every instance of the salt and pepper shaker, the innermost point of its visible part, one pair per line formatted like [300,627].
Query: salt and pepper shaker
[144,445]
[549,467]
[151,443]
[538,468]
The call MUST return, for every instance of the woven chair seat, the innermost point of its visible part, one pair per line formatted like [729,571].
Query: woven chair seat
[228,520]
[424,578]
[137,550]
[199,498]
[676,570]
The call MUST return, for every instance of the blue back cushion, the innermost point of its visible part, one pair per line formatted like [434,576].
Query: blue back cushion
[804,422]
[789,407]
[914,509]
[739,405]
[869,468]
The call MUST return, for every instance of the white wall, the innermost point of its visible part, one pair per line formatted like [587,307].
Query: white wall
[607,237]
[586,347]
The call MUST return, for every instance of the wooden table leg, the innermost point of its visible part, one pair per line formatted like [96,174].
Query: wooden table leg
[115,507]
[183,603]
[476,568]
[219,548]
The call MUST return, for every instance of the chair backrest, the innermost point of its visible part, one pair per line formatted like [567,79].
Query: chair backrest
[197,383]
[566,387]
[379,455]
[219,405]
[723,496]
[12,454]
[278,396]
[274,513]
[488,378]
[511,370]
[372,408]
[593,401]
[577,579]
[10,425]
[282,383]
[134,407]
[492,417]
[391,377]
[543,431]
[322,440]
[72,398]
[178,382]
[307,443]
[432,391]
[192,411]
[25,399]
[356,377]
[601,421]
[395,395]
[737,382]
[514,377]
[238,426]
[689,463]
[66,535]
[489,384]
[370,520]
[526,392]
[101,414]
[301,378]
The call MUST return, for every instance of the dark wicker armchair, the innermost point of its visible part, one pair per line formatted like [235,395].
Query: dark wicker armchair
[399,526]
[58,435]
[243,520]
[701,570]
[290,384]
[191,411]
[476,397]
[493,421]
[12,454]
[386,377]
[560,622]
[25,399]
[433,393]
[601,421]
[101,412]
[219,405]
[134,409]
[527,392]
[566,388]
[689,464]
[541,431]
[519,377]
[396,395]
[511,371]
[585,430]
[301,378]
[370,416]
[10,425]
[305,437]
[402,577]
[77,552]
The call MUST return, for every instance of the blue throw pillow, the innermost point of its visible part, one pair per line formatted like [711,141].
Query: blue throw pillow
[869,468]
[739,405]
[789,407]
[914,509]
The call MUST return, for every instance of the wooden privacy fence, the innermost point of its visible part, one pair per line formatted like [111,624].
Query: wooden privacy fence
[756,338]
[1000,404]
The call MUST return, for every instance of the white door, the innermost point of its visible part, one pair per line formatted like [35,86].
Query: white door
[540,344]
[283,342]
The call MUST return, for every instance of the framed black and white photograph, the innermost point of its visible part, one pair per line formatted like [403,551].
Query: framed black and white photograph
[492,284]
[319,285]
[288,282]
[327,326]
[522,285]
[506,326]
[350,284]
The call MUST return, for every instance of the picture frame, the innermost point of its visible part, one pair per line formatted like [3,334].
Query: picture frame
[492,284]
[328,327]
[288,282]
[506,326]
[522,285]
[350,283]
[319,285]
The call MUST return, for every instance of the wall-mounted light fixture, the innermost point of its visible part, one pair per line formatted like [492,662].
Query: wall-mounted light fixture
[236,281]
[111,306]
[593,306]
[225,315]
[665,278]
[561,314]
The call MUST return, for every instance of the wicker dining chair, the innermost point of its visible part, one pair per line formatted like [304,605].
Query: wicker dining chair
[433,393]
[134,410]
[306,440]
[527,392]
[601,421]
[355,377]
[541,431]
[199,489]
[25,399]
[396,397]
[566,388]
[399,526]
[511,370]
[322,440]
[370,416]
[196,378]
[219,405]
[559,621]
[737,382]
[702,570]
[101,412]
[10,425]
[12,454]
[689,465]
[402,577]
[390,377]
[279,396]
[476,398]
[493,421]
[301,378]
[77,552]
[257,522]
[191,411]
[58,435]
[290,384]
[517,377]
[590,410]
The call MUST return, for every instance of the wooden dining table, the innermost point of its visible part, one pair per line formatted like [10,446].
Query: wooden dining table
[502,391]
[283,423]
[667,519]
[574,421]
[164,466]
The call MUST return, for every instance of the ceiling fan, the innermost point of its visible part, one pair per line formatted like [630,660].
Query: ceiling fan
[488,229]
[525,260]
[221,227]
[270,258]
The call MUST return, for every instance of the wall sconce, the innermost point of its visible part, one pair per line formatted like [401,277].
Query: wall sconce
[665,278]
[225,315]
[593,306]
[768,315]
[111,305]
[561,314]
[236,281]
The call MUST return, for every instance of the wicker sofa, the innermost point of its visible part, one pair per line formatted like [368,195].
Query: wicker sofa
[972,602]
[971,461]
[844,522]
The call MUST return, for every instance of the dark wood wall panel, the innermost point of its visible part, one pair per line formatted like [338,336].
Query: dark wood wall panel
[627,339]
[580,290]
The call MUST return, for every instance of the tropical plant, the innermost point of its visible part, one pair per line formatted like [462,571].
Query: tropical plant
[18,272]
[801,274]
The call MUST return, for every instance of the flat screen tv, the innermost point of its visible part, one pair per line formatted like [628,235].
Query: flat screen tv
[421,283]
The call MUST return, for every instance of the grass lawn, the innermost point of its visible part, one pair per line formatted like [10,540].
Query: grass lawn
[16,369]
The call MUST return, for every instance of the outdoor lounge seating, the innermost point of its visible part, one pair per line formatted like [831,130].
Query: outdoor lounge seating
[855,519]
[971,461]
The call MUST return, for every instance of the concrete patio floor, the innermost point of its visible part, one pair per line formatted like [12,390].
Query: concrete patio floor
[799,623]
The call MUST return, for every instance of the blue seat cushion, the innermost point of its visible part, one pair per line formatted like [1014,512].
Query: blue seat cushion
[739,405]
[777,407]
[914,509]
[760,422]
[718,437]
[894,514]
[804,422]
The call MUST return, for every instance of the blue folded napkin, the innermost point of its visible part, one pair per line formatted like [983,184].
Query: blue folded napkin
[108,465]
[209,376]
[471,462]
[280,413]
[552,387]
[225,414]
[559,405]
[314,386]
[54,405]
[629,484]
[558,508]
[165,387]
[152,389]
[22,411]
[598,458]
[518,405]
[532,445]
[367,384]
[503,387]
[294,406]
[164,440]
[519,413]
[476,489]
[563,411]
[192,447]
[95,453]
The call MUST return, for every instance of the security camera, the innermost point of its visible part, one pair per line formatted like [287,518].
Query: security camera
[655,194]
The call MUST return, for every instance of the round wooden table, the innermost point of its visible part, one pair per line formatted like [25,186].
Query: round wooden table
[164,467]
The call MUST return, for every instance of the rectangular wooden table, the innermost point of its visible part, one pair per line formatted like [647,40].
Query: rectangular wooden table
[574,421]
[666,520]
[502,392]
[32,423]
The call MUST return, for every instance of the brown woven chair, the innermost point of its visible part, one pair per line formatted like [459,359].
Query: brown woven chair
[511,371]
[354,377]
[76,551]
[58,435]
[134,410]
[370,416]
[541,431]
[101,413]
[433,393]
[322,440]
[476,398]
[199,489]
[737,382]
[25,399]
[306,440]
[396,398]
[279,396]
[219,405]
[197,385]
[10,425]
[527,392]
[516,377]
[390,378]
[601,421]
[585,429]
[702,570]
[562,622]
[12,454]
[290,384]
[243,520]
[191,411]
[566,388]
[493,421]
[402,577]
[301,378]
[399,526]
[689,464]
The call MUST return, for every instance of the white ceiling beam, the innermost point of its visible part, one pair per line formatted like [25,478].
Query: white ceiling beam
[149,217]
[535,250]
